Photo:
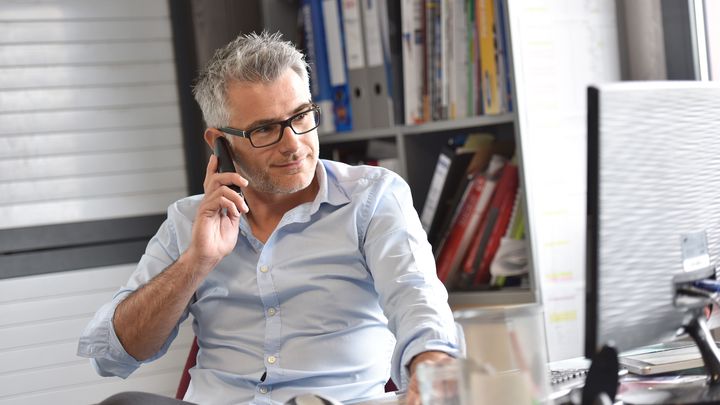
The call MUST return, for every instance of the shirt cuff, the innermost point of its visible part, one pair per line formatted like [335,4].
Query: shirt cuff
[100,343]
[452,345]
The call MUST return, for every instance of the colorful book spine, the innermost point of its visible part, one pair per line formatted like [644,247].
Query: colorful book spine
[465,226]
[485,17]
[503,57]
[476,264]
[413,45]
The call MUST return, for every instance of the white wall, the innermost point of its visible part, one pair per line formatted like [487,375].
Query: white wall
[559,48]
[712,28]
[42,318]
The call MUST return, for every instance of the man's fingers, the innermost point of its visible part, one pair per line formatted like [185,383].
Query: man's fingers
[218,198]
[413,393]
[213,179]
[226,179]
[210,170]
[230,206]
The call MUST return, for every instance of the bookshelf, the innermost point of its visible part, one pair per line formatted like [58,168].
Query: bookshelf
[416,148]
[417,153]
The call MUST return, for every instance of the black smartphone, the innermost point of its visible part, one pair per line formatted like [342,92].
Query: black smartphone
[225,162]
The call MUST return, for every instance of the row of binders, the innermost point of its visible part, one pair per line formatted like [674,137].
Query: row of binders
[379,63]
[474,216]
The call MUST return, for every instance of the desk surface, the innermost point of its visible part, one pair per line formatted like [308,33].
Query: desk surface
[388,398]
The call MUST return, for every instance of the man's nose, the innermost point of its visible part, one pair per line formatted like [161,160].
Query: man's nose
[290,141]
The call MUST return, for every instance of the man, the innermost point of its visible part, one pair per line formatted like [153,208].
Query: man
[324,284]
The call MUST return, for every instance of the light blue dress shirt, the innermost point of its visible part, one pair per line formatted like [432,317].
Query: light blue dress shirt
[343,294]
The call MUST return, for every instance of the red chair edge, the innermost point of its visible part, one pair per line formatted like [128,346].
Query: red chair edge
[185,377]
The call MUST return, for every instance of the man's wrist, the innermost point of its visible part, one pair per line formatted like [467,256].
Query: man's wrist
[432,356]
[196,264]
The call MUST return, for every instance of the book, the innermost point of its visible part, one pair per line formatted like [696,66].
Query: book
[511,259]
[474,151]
[486,147]
[457,203]
[413,44]
[436,184]
[464,226]
[430,16]
[505,76]
[496,234]
[474,107]
[458,69]
[446,55]
[476,263]
[485,19]
[390,25]
[662,358]
[452,179]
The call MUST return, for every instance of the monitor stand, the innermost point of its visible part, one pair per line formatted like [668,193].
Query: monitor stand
[691,393]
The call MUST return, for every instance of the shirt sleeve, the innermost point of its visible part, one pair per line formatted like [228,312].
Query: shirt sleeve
[98,341]
[403,267]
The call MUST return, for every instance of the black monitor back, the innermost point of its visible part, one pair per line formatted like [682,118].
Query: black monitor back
[653,177]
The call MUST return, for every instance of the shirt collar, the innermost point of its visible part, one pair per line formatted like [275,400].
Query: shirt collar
[330,190]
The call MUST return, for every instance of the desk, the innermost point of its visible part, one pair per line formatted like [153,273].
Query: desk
[627,381]
[388,398]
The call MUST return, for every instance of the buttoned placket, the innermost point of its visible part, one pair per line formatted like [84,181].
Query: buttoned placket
[271,305]
[268,295]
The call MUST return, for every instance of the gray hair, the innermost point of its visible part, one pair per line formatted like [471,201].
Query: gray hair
[255,58]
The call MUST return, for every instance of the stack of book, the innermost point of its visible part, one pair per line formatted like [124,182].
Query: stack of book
[473,211]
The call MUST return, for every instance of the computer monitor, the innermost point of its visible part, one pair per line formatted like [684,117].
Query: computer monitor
[653,219]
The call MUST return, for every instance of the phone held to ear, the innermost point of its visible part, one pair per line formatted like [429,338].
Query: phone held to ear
[225,162]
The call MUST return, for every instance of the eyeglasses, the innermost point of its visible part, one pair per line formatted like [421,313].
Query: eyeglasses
[270,134]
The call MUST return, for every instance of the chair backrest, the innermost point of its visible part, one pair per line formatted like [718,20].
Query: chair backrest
[192,358]
[185,377]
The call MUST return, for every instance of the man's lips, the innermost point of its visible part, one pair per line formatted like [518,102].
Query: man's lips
[290,165]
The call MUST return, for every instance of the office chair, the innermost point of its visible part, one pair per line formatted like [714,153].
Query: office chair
[192,358]
[185,377]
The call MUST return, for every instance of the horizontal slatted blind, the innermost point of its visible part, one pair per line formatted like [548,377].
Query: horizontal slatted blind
[91,154]
[89,117]
[42,319]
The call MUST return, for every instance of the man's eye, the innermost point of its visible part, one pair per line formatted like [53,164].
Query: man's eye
[300,116]
[262,130]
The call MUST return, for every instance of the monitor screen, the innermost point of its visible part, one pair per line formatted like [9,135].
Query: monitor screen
[653,198]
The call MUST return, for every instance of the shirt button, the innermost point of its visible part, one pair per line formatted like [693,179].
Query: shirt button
[263,390]
[271,359]
[264,269]
[272,311]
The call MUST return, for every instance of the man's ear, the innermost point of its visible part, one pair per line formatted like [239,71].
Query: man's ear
[210,135]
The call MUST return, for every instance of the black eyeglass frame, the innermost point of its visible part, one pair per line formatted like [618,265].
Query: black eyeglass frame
[283,124]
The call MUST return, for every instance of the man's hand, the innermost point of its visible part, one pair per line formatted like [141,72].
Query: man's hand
[215,229]
[413,391]
[144,320]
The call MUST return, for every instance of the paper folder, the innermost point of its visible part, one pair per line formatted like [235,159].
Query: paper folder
[356,63]
[381,108]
